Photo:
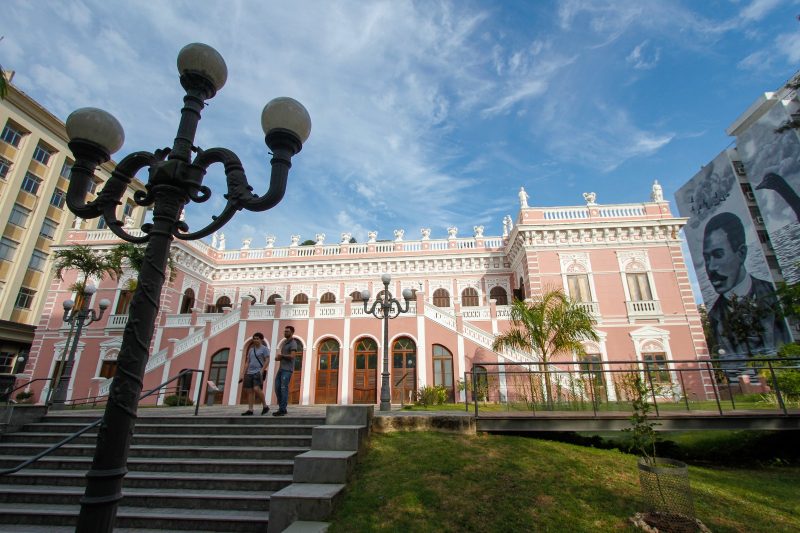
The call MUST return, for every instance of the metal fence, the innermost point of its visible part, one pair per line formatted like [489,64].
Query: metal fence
[604,387]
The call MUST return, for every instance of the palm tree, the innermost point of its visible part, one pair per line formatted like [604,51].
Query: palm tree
[548,325]
[88,261]
[133,254]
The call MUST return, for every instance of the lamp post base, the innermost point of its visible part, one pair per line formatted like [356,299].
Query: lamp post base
[386,406]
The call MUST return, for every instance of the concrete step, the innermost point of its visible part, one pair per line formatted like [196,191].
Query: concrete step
[154,480]
[170,519]
[181,429]
[150,498]
[170,439]
[236,420]
[87,450]
[164,464]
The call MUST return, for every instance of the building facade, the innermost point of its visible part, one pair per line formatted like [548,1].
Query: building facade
[743,229]
[622,262]
[34,175]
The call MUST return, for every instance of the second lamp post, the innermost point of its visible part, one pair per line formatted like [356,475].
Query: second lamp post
[83,316]
[386,307]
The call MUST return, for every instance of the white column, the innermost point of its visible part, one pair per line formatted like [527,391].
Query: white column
[422,353]
[236,371]
[202,366]
[308,368]
[462,364]
[344,363]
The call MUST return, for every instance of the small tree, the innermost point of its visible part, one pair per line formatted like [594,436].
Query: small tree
[133,254]
[789,298]
[548,325]
[88,262]
[744,320]
[642,430]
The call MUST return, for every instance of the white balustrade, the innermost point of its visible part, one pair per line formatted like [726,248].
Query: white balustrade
[359,248]
[305,251]
[493,242]
[622,211]
[439,245]
[504,312]
[476,313]
[330,311]
[260,312]
[156,360]
[257,254]
[357,310]
[644,308]
[231,254]
[443,318]
[105,386]
[117,321]
[226,321]
[383,247]
[280,252]
[565,213]
[295,311]
[179,321]
[188,343]
[592,308]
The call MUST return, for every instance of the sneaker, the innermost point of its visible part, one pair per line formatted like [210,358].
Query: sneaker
[247,413]
[265,410]
[279,413]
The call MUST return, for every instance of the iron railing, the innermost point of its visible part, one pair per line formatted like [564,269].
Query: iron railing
[602,388]
[11,391]
[97,422]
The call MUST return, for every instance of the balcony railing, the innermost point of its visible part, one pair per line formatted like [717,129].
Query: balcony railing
[117,321]
[644,308]
[592,308]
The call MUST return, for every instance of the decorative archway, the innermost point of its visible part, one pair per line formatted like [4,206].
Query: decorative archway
[404,370]
[295,385]
[218,372]
[441,298]
[272,299]
[327,389]
[222,303]
[443,369]
[300,299]
[499,295]
[365,371]
[187,303]
[328,298]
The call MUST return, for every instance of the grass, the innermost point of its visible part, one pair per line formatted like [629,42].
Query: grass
[435,482]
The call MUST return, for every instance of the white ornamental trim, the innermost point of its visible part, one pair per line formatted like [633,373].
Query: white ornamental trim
[633,260]
[574,262]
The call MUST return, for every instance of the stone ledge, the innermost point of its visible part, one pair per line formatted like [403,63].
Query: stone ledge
[424,422]
[339,438]
[303,501]
[324,466]
[305,526]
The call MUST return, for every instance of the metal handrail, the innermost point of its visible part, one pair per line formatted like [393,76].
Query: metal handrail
[8,399]
[677,367]
[97,422]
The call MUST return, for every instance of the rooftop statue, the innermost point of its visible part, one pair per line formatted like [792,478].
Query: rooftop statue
[523,198]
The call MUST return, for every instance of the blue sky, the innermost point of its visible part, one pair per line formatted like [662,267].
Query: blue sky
[425,114]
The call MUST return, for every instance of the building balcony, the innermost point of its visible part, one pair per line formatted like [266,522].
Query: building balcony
[593,308]
[644,308]
[117,321]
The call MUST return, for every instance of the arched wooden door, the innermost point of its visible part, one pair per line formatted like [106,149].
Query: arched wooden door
[218,372]
[443,369]
[365,372]
[327,390]
[297,377]
[404,370]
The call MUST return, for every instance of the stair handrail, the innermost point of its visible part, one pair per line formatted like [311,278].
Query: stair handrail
[97,422]
[8,398]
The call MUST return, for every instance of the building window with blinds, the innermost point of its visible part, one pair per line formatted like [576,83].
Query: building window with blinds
[578,287]
[639,286]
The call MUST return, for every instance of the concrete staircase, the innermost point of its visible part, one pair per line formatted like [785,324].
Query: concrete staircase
[206,473]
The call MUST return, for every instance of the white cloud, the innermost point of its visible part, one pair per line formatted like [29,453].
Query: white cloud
[640,59]
[758,9]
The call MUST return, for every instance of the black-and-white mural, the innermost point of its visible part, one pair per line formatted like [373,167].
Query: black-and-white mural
[729,261]
[772,162]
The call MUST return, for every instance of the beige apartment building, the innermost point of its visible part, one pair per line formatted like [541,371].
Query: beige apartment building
[35,163]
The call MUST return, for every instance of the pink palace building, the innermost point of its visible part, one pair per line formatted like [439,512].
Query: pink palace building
[623,262]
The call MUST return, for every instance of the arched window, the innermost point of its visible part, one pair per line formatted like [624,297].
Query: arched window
[404,370]
[469,297]
[356,296]
[638,282]
[222,303]
[443,369]
[327,372]
[365,371]
[328,298]
[253,299]
[272,298]
[187,303]
[481,383]
[300,299]
[124,302]
[218,372]
[500,295]
[441,298]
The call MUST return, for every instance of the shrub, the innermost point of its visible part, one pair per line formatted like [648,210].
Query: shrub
[435,395]
[789,350]
[24,396]
[174,400]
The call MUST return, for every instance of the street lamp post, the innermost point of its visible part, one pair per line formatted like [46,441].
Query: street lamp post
[175,180]
[386,308]
[80,318]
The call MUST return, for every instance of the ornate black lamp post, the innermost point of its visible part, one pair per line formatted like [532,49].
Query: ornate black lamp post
[175,179]
[80,318]
[386,308]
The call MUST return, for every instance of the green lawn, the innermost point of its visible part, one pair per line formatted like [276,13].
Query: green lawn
[435,482]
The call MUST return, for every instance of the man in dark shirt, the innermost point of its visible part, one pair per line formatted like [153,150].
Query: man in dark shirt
[285,369]
[256,362]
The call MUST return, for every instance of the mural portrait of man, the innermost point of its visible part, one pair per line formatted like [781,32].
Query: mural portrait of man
[724,253]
